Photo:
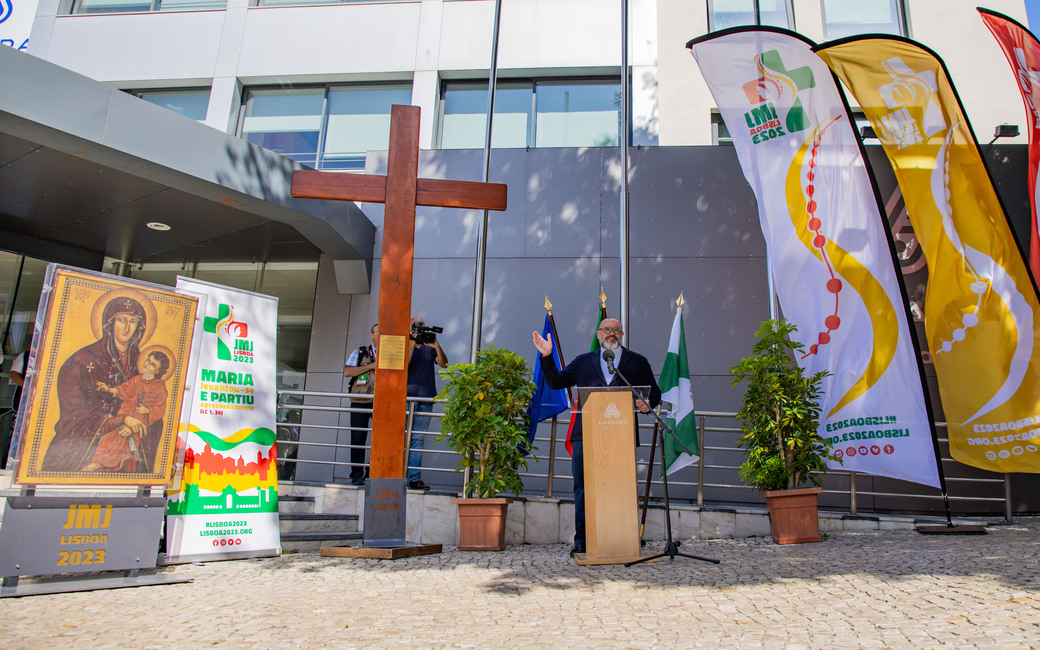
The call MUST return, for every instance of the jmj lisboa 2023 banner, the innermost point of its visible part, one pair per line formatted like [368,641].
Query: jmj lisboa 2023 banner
[828,247]
[981,312]
[226,504]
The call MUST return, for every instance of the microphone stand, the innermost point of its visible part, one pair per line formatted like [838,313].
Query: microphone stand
[643,398]
[671,548]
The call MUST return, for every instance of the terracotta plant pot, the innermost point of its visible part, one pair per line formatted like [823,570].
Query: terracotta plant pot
[793,515]
[482,523]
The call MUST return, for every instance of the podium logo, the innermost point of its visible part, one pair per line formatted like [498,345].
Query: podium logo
[612,411]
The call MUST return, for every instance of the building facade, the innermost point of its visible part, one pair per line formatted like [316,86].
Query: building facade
[323,71]
[314,82]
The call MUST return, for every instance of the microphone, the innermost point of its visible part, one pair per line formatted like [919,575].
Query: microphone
[608,356]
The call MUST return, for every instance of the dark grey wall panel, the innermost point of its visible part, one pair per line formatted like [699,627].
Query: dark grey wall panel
[692,201]
[566,203]
[726,299]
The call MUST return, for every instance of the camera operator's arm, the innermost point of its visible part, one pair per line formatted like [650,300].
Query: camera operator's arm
[409,348]
[442,358]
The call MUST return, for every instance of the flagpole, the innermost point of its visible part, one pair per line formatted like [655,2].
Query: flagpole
[478,277]
[623,136]
[570,398]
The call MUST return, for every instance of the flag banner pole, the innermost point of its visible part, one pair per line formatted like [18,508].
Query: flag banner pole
[557,345]
[677,393]
[481,261]
[595,346]
[545,402]
[624,272]
[827,244]
[552,458]
[646,489]
[981,309]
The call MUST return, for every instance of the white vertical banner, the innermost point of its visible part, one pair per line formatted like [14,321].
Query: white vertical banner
[226,502]
[828,246]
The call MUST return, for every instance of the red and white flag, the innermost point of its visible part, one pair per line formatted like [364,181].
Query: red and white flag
[1023,53]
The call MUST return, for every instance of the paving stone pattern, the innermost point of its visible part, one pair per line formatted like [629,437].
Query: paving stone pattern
[876,589]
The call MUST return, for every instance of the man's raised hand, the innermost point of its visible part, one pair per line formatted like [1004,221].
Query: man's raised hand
[543,345]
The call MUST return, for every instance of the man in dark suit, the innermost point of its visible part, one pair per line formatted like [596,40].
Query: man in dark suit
[590,369]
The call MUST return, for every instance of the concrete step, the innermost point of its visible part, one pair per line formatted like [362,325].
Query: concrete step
[304,542]
[296,505]
[317,523]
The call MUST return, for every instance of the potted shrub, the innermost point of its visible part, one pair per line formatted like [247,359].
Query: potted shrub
[779,420]
[485,422]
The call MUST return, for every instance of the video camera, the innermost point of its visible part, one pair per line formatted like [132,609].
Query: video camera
[422,334]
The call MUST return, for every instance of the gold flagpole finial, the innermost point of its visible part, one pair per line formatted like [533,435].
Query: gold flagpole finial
[548,305]
[680,302]
[602,297]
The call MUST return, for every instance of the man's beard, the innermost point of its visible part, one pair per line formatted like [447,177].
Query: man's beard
[607,344]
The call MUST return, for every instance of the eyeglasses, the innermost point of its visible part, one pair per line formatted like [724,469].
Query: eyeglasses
[611,330]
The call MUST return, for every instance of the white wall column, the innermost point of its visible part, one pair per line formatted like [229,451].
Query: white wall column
[425,83]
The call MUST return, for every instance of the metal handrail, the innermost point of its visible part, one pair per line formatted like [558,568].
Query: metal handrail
[716,443]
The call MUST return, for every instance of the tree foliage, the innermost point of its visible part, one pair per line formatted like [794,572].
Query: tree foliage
[781,413]
[485,419]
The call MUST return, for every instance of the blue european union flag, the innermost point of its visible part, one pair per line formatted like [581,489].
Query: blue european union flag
[545,402]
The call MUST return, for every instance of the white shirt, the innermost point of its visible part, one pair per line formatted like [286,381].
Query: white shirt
[16,365]
[607,377]
[352,359]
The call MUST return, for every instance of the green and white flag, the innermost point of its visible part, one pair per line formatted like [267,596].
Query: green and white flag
[677,392]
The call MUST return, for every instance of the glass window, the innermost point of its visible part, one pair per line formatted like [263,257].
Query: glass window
[843,18]
[189,103]
[358,122]
[292,3]
[578,115]
[329,127]
[137,6]
[719,130]
[191,5]
[286,121]
[736,13]
[552,113]
[464,116]
[21,283]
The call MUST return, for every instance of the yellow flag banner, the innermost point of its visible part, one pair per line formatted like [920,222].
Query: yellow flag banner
[981,308]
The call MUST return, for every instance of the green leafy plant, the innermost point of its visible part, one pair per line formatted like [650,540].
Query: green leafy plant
[781,413]
[485,419]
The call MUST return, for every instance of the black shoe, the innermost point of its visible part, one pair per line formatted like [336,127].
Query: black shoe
[418,485]
[360,482]
[577,548]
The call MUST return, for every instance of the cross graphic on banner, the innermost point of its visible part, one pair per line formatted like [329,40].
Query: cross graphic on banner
[401,190]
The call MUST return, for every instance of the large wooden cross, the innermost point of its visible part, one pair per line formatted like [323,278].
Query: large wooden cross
[401,190]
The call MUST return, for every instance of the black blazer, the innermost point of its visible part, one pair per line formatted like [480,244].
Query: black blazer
[584,370]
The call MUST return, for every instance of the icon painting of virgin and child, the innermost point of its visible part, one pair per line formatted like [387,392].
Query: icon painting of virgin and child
[112,398]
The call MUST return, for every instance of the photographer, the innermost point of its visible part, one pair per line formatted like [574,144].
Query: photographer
[361,369]
[423,352]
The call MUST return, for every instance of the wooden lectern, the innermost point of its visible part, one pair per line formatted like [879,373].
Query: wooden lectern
[611,506]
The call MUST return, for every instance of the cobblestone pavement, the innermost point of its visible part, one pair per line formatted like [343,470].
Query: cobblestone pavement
[870,589]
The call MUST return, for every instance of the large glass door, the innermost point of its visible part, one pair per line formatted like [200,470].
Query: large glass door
[21,281]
